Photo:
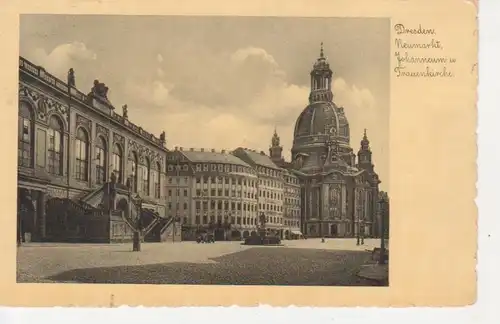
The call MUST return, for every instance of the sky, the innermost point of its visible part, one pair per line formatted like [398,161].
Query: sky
[222,82]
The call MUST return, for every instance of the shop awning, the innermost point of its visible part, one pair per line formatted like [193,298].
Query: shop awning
[297,232]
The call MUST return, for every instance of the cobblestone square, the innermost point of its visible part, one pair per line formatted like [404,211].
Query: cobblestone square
[305,262]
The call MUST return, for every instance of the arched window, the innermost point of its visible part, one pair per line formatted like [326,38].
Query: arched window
[25,132]
[100,159]
[54,155]
[145,177]
[132,166]
[82,155]
[157,180]
[117,163]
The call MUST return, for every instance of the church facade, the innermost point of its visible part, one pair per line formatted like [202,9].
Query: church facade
[339,189]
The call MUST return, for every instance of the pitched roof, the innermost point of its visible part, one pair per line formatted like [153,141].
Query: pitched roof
[258,158]
[213,157]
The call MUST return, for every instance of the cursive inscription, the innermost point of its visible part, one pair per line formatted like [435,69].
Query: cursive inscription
[420,57]
[401,29]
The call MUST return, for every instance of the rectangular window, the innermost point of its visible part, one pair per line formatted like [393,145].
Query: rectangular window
[157,186]
[54,152]
[81,167]
[41,141]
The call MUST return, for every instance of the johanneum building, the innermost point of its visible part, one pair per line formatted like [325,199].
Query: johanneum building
[83,169]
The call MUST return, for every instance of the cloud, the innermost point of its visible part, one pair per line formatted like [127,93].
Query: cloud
[160,73]
[239,103]
[225,100]
[63,57]
[362,111]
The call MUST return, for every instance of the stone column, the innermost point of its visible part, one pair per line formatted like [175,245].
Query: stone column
[41,214]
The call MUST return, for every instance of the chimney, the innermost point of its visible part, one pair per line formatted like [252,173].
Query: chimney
[262,153]
[176,148]
[181,148]
[223,151]
[203,150]
[191,149]
[212,150]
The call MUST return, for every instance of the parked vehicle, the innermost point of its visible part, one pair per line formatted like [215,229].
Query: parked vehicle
[205,238]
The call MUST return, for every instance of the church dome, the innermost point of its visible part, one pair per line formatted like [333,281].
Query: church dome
[317,118]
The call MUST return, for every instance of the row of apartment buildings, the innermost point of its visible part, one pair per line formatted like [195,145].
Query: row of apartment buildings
[214,187]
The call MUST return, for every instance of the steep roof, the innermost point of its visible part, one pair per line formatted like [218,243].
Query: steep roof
[257,158]
[213,157]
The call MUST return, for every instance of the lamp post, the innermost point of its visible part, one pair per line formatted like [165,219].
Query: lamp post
[362,231]
[137,232]
[177,194]
[136,239]
[358,226]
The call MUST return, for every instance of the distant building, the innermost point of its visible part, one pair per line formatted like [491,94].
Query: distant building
[338,195]
[270,187]
[211,190]
[291,205]
[383,213]
[291,199]
[76,156]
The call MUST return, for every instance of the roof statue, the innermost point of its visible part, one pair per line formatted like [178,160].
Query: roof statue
[100,92]
[71,78]
[99,89]
[163,137]
[125,111]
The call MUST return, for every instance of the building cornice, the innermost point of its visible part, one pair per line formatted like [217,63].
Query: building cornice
[74,96]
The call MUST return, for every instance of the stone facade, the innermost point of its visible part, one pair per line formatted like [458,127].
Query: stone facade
[211,190]
[271,186]
[338,195]
[71,143]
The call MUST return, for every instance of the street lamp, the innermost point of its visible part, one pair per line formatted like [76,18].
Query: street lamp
[136,239]
[359,226]
[362,231]
[177,194]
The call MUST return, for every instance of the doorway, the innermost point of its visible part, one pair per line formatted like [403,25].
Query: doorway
[334,230]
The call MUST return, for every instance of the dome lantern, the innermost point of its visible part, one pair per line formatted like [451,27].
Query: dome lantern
[321,79]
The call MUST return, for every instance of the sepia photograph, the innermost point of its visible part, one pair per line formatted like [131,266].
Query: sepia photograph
[203,150]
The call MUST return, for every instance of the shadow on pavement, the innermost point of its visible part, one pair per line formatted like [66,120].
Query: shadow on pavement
[255,266]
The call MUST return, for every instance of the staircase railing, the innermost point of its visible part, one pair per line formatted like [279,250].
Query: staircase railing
[155,220]
[89,195]
[168,222]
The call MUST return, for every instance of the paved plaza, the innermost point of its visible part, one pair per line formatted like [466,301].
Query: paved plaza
[302,262]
